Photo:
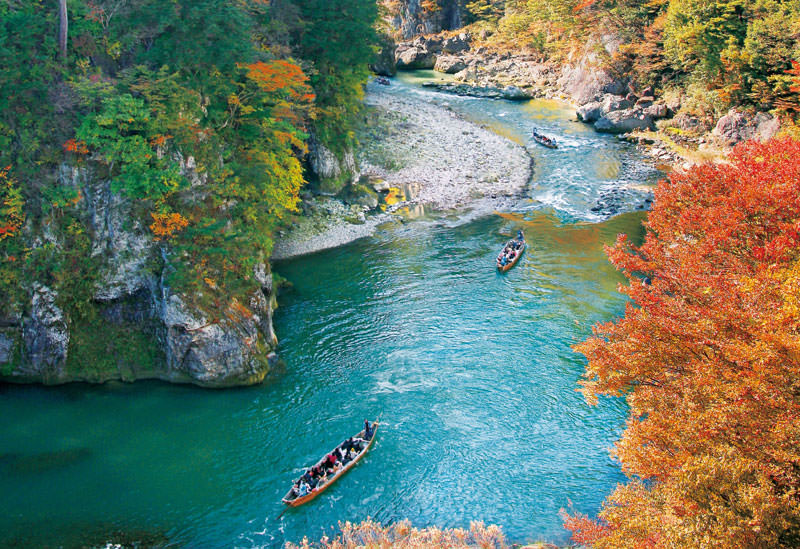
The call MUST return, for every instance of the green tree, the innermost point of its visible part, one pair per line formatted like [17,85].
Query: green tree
[120,136]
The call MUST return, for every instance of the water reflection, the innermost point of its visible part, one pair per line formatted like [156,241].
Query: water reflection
[401,200]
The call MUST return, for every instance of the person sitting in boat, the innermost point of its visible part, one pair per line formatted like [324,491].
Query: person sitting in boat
[295,489]
[315,476]
[303,489]
[336,468]
[504,261]
[368,430]
[308,476]
[330,460]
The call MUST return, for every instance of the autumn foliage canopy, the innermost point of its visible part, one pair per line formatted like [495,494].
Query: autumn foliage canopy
[708,356]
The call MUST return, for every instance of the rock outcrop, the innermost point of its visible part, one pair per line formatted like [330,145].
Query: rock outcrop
[133,303]
[333,173]
[45,336]
[384,63]
[624,121]
[412,19]
[738,126]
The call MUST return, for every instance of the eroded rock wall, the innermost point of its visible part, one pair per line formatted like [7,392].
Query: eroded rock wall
[155,331]
[413,19]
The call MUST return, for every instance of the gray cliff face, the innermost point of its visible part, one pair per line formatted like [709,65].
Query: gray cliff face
[222,353]
[45,336]
[333,172]
[132,297]
[413,20]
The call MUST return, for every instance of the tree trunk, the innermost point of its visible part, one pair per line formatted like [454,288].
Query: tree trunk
[62,30]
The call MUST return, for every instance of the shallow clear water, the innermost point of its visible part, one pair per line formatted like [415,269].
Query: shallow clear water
[471,372]
[586,171]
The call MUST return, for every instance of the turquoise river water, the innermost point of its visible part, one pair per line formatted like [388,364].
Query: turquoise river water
[471,372]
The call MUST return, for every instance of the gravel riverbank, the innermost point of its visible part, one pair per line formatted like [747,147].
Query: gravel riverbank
[440,161]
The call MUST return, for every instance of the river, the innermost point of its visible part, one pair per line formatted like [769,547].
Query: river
[471,372]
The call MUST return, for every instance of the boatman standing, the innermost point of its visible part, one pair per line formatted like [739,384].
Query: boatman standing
[368,429]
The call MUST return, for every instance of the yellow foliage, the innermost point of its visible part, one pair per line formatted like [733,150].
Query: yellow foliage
[167,224]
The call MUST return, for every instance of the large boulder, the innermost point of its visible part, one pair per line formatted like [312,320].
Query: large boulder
[449,64]
[456,44]
[590,112]
[690,124]
[657,111]
[413,58]
[615,103]
[624,121]
[514,93]
[738,126]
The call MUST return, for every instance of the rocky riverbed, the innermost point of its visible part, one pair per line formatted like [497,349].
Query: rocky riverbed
[423,153]
[668,129]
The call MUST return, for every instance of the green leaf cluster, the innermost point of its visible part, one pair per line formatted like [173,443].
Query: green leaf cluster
[161,99]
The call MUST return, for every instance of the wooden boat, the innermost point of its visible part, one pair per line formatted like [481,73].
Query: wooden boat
[507,266]
[292,500]
[548,142]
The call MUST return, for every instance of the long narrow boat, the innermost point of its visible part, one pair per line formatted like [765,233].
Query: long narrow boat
[507,266]
[544,140]
[292,500]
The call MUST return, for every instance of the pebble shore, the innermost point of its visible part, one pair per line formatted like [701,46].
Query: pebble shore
[451,163]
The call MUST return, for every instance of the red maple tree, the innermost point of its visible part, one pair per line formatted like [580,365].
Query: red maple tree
[708,356]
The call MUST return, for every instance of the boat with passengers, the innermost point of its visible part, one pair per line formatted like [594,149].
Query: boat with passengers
[347,454]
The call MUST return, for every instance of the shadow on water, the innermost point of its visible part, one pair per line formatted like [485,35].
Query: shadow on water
[20,464]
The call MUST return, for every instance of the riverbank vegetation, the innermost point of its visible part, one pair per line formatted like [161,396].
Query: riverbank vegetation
[708,357]
[196,112]
[722,54]
[402,535]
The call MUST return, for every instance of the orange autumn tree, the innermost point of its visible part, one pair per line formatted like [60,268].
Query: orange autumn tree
[708,356]
[165,225]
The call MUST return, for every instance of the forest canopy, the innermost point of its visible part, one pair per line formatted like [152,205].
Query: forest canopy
[196,111]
